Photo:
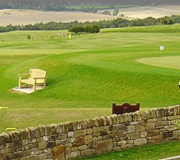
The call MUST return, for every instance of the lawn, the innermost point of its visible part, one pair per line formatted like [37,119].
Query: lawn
[153,152]
[87,73]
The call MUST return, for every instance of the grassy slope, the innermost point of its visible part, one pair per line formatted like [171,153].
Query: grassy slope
[154,152]
[90,71]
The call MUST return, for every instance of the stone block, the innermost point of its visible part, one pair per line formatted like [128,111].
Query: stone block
[51,144]
[120,117]
[144,134]
[72,155]
[75,126]
[140,128]
[37,157]
[88,152]
[114,119]
[17,154]
[134,136]
[78,141]
[84,124]
[60,128]
[103,133]
[71,127]
[110,121]
[62,136]
[150,126]
[70,134]
[103,146]
[118,128]
[176,134]
[89,131]
[88,139]
[168,134]
[63,141]
[121,143]
[130,129]
[143,114]
[80,133]
[42,145]
[152,133]
[125,117]
[4,138]
[42,130]
[26,153]
[90,123]
[100,138]
[140,141]
[136,116]
[96,123]
[160,113]
[68,145]
[153,120]
[101,121]
[66,127]
[82,148]
[159,124]
[58,152]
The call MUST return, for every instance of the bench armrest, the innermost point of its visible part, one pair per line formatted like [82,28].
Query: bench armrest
[26,74]
[39,77]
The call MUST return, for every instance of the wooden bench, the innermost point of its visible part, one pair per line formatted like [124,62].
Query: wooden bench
[34,77]
[124,108]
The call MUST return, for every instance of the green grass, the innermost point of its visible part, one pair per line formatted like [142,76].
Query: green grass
[88,72]
[153,152]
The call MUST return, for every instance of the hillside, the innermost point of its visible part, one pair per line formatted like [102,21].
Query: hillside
[25,17]
[58,5]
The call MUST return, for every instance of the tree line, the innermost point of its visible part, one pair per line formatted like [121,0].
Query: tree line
[59,5]
[92,27]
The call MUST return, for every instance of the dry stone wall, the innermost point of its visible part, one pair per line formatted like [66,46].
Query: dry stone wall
[93,136]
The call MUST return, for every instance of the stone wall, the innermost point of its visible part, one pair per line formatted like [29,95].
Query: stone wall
[93,136]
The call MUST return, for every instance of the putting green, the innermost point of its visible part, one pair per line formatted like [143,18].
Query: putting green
[167,62]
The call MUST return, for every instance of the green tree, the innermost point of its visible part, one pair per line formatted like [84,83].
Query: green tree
[29,37]
[116,11]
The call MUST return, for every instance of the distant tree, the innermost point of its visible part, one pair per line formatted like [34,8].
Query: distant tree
[106,12]
[94,10]
[116,11]
[29,37]
[166,20]
[93,28]
[85,29]
[111,6]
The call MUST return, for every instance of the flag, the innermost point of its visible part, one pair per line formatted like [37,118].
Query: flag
[69,35]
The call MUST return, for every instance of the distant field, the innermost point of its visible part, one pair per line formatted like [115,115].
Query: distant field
[19,17]
[150,11]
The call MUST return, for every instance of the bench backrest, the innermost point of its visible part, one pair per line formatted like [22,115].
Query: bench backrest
[124,108]
[37,73]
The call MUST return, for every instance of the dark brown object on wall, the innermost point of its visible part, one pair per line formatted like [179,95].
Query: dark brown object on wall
[124,108]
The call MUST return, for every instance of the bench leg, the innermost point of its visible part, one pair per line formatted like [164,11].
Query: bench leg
[19,85]
[44,85]
[34,87]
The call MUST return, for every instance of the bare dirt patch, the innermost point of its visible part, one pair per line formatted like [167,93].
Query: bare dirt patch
[149,11]
[19,17]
